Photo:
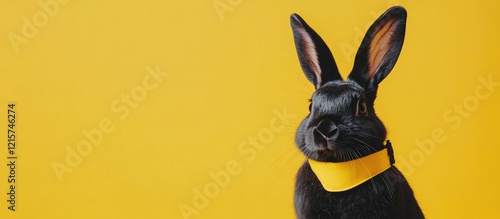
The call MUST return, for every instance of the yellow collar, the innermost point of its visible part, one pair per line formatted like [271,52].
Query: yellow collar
[342,176]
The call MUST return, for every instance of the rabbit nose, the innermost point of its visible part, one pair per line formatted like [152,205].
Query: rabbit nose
[326,129]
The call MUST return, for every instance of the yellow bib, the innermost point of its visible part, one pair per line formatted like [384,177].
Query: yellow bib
[342,176]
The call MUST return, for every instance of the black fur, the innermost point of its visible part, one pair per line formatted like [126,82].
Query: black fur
[343,126]
[386,196]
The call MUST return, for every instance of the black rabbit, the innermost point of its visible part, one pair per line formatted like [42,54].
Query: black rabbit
[343,131]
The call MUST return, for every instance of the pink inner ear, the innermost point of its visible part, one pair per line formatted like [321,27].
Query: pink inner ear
[311,55]
[380,45]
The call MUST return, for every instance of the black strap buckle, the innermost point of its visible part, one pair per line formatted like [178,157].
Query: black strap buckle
[390,152]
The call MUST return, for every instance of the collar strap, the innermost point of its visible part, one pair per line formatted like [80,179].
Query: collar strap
[342,176]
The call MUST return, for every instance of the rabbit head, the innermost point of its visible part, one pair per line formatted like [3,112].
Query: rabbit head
[342,124]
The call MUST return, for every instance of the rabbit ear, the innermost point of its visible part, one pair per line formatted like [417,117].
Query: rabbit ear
[380,48]
[315,58]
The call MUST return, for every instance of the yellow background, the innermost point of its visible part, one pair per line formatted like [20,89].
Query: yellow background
[229,73]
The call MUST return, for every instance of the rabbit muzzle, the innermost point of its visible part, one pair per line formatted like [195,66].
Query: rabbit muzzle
[325,133]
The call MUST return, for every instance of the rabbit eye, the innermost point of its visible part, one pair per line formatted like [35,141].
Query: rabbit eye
[361,108]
